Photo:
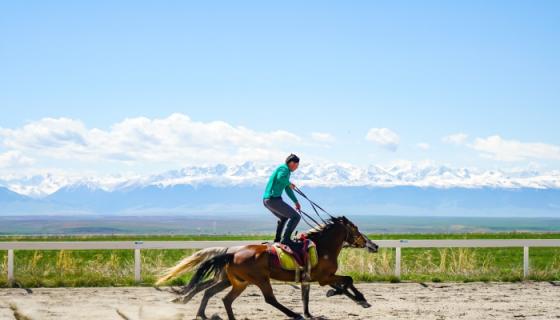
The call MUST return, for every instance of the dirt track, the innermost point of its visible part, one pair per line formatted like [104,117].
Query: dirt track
[390,301]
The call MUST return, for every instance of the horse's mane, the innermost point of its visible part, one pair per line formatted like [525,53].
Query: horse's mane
[324,227]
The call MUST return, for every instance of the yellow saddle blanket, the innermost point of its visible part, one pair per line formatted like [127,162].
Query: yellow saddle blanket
[287,259]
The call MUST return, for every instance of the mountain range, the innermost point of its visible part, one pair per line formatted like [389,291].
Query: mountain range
[403,189]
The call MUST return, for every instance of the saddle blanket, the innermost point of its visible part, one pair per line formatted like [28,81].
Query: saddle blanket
[287,259]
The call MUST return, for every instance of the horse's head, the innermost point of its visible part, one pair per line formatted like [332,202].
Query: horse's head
[356,239]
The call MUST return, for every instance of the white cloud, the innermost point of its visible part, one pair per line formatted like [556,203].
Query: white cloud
[497,148]
[457,138]
[14,159]
[384,137]
[423,146]
[322,137]
[141,140]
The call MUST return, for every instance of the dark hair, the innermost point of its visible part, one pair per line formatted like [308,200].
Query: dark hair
[292,158]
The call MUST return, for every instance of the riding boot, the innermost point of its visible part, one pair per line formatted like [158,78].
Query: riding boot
[292,224]
[279,229]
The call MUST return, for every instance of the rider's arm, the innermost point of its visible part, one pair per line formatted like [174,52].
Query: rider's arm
[291,194]
[283,178]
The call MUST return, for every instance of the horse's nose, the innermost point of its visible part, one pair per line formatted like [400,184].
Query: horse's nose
[372,247]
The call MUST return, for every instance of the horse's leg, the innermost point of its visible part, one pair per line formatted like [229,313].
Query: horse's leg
[349,284]
[339,290]
[341,285]
[358,294]
[305,288]
[237,288]
[266,289]
[336,290]
[212,291]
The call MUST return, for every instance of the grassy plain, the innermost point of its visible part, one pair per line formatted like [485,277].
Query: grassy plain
[55,268]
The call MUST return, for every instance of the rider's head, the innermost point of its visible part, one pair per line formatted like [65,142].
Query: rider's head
[293,162]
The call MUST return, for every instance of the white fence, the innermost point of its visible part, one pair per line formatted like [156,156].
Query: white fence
[139,245]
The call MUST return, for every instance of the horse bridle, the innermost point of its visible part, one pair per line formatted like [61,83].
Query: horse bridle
[351,232]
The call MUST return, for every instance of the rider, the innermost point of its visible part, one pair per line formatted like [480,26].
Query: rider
[272,199]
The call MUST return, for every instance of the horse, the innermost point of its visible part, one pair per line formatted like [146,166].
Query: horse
[241,266]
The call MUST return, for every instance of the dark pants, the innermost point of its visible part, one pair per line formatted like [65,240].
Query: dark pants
[284,212]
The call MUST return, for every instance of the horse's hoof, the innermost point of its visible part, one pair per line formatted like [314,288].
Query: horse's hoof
[216,317]
[299,317]
[364,304]
[309,316]
[198,317]
[331,293]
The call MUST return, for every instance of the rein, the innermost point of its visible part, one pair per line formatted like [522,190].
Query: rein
[315,206]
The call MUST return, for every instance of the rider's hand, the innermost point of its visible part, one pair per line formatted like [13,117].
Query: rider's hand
[298,206]
[292,186]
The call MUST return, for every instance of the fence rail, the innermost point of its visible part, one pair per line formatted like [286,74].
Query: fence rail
[143,245]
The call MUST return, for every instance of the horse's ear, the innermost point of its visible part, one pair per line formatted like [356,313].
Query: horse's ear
[345,220]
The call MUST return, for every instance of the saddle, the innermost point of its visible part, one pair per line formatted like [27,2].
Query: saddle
[292,259]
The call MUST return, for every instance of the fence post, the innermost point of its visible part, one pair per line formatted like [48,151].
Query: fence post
[398,262]
[11,278]
[525,262]
[137,266]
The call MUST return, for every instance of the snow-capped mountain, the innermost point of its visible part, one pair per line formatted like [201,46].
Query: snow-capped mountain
[8,195]
[403,189]
[319,175]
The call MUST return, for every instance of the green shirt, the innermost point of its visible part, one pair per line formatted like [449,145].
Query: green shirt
[278,182]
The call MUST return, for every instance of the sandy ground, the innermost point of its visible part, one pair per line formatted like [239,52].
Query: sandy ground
[390,301]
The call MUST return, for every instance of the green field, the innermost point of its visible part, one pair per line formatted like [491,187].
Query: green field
[115,267]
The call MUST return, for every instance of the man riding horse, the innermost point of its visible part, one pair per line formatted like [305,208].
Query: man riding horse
[278,183]
[219,268]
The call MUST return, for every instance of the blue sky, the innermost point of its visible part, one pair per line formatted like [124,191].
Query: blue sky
[423,70]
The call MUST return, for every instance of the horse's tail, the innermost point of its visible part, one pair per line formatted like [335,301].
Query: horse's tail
[189,263]
[213,265]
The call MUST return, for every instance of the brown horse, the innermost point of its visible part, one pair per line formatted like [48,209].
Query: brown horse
[241,266]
